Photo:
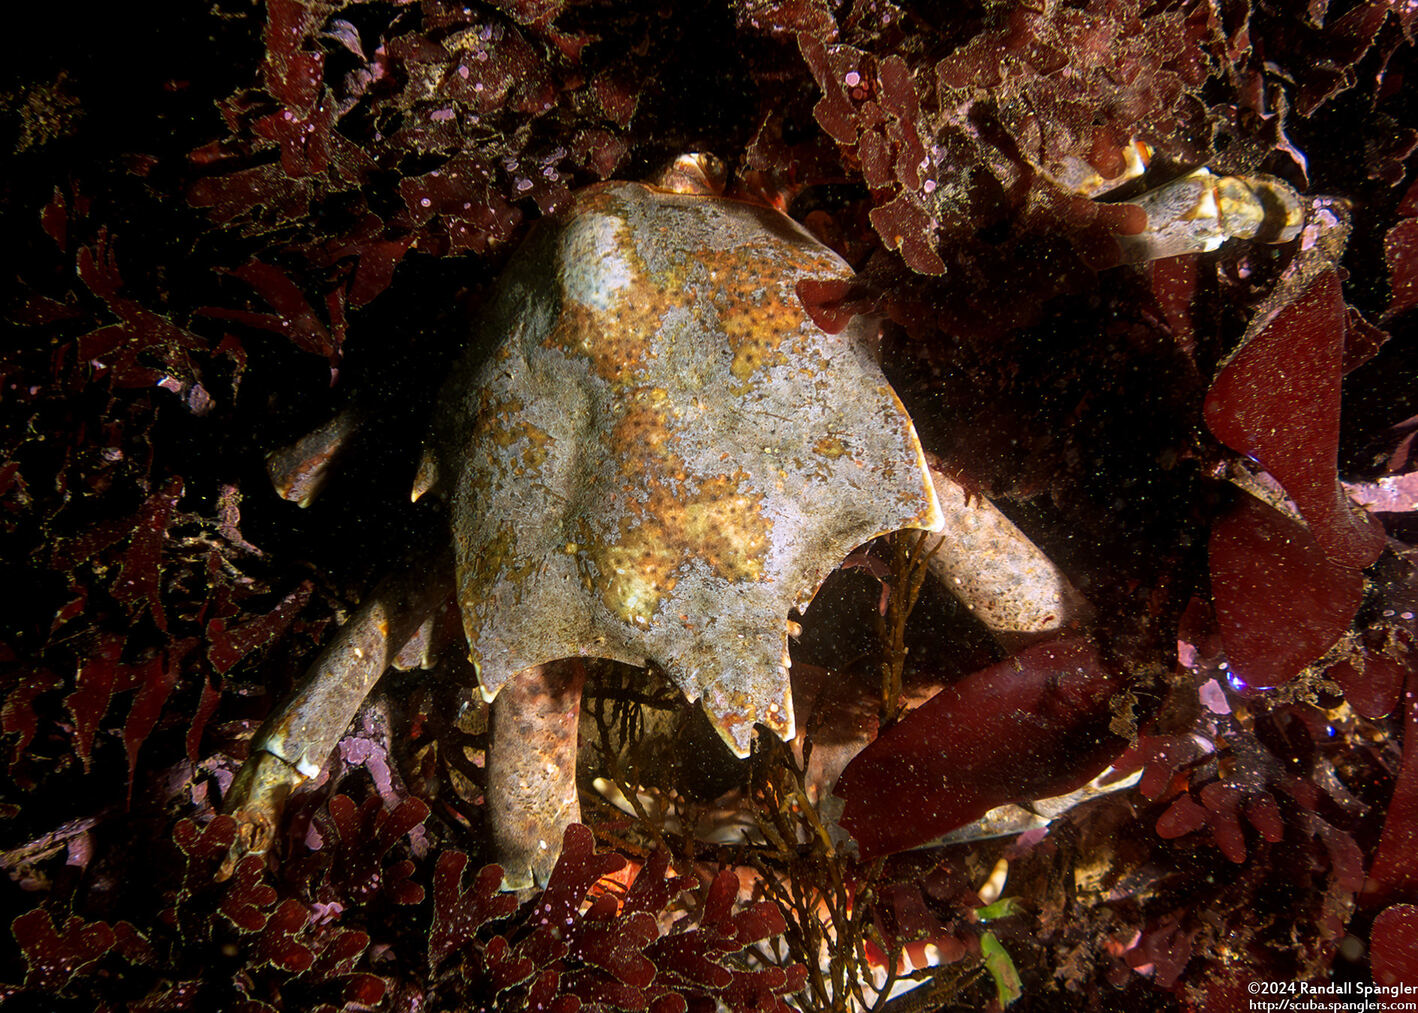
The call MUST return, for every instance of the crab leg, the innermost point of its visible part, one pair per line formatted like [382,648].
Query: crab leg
[296,740]
[997,572]
[299,471]
[531,769]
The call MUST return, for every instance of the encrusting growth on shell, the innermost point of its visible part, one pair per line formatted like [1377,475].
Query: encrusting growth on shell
[652,453]
[665,454]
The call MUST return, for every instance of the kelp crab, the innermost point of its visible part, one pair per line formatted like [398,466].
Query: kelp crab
[662,455]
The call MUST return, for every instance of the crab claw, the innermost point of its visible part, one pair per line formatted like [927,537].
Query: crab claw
[256,799]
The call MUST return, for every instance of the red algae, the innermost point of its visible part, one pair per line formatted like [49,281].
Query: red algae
[1277,401]
[1280,601]
[982,743]
[303,203]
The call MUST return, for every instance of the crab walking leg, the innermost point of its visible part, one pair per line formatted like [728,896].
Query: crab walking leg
[297,739]
[997,572]
[299,471]
[531,769]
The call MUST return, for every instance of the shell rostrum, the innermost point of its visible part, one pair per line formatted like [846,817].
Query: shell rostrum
[664,454]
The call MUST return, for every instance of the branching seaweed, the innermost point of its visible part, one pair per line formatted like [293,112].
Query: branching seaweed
[909,561]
